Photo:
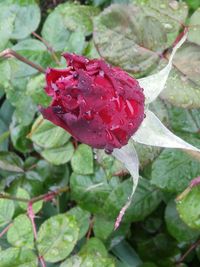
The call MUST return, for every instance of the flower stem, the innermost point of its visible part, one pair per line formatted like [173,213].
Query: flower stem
[11,53]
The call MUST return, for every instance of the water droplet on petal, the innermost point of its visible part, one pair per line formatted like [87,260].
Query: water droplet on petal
[121,122]
[88,115]
[129,109]
[109,135]
[101,73]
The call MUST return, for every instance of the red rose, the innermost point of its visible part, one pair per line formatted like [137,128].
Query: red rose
[98,104]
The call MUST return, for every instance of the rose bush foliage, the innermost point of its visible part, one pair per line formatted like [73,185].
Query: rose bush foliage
[81,192]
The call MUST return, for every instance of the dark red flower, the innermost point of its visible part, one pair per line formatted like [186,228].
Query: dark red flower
[98,104]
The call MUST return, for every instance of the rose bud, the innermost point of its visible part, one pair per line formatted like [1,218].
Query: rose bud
[98,104]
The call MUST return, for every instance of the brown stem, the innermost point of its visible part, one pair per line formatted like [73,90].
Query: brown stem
[3,195]
[49,47]
[192,247]
[90,228]
[46,197]
[11,53]
[41,259]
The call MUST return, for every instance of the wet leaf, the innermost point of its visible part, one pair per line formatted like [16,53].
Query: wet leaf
[64,21]
[173,170]
[21,257]
[7,209]
[57,237]
[188,208]
[20,234]
[133,36]
[176,227]
[82,160]
[194,27]
[182,87]
[47,135]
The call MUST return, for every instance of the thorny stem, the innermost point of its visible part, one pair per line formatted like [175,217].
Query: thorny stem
[11,53]
[49,47]
[192,247]
[31,216]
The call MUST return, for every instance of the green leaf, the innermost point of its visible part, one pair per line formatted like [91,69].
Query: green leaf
[189,208]
[7,209]
[145,200]
[22,193]
[176,227]
[88,260]
[184,120]
[47,135]
[59,155]
[82,218]
[35,89]
[64,21]
[20,234]
[6,21]
[90,191]
[122,32]
[35,51]
[16,94]
[154,84]
[9,161]
[194,27]
[94,246]
[160,248]
[19,257]
[102,227]
[173,170]
[93,253]
[182,87]
[110,165]
[57,237]
[18,134]
[6,112]
[23,17]
[82,160]
[126,254]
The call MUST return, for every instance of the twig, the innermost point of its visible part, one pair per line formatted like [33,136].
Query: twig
[5,229]
[192,247]
[46,197]
[5,196]
[11,53]
[49,47]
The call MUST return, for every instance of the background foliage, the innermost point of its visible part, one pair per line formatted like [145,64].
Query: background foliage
[74,224]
